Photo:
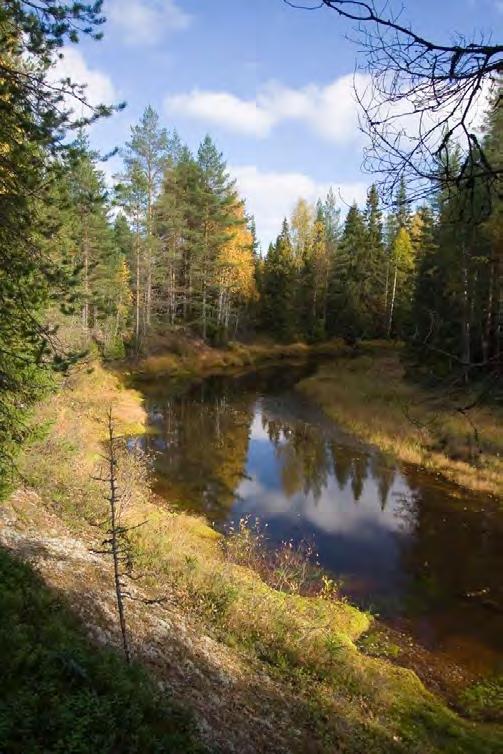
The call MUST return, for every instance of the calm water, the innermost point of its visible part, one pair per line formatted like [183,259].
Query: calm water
[412,547]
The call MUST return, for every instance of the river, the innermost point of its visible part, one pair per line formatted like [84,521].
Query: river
[420,552]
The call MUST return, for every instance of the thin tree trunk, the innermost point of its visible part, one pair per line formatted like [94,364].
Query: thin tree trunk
[392,305]
[465,316]
[138,294]
[85,254]
[386,289]
[113,534]
[488,323]
[204,280]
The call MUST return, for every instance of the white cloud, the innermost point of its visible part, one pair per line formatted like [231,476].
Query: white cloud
[145,22]
[99,87]
[333,512]
[271,195]
[330,111]
[221,108]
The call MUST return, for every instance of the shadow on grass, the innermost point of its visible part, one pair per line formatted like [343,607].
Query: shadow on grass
[59,693]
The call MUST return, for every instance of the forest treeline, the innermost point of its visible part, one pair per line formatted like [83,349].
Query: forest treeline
[182,252]
[169,244]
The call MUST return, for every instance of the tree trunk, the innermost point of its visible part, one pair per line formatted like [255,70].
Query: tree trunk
[488,323]
[137,328]
[113,536]
[392,304]
[85,255]
[465,316]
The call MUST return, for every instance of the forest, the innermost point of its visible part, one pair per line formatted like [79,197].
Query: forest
[167,378]
[171,245]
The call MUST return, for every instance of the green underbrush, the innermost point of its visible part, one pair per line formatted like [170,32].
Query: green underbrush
[60,693]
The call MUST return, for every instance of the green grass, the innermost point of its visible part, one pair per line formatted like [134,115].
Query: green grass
[61,694]
[349,698]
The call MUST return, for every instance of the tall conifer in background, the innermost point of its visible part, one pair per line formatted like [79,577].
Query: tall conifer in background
[145,158]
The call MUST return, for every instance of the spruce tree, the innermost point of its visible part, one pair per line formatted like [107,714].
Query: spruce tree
[374,284]
[278,288]
[34,135]
[216,206]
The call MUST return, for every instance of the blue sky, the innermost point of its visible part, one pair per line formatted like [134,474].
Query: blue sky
[272,85]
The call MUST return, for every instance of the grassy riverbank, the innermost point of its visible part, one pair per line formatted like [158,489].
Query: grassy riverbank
[302,652]
[185,358]
[369,395]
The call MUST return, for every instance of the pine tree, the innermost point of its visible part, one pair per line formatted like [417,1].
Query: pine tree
[145,157]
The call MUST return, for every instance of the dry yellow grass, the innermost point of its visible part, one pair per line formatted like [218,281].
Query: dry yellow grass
[195,359]
[369,396]
[353,700]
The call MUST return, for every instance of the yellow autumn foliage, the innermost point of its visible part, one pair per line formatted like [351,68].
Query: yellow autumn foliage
[235,261]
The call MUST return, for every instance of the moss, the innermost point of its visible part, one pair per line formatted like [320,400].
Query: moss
[484,699]
[376,644]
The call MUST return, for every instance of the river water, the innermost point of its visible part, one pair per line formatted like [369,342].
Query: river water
[419,551]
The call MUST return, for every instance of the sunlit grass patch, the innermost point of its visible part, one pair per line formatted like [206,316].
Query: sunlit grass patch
[307,641]
[369,395]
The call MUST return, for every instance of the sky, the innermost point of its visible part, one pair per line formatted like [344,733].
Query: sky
[272,85]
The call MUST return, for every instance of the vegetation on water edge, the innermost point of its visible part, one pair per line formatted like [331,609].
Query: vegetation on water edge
[182,357]
[306,643]
[183,252]
[369,395]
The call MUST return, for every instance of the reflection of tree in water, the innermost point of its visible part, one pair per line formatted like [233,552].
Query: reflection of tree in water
[342,460]
[384,473]
[303,455]
[308,458]
[359,469]
[201,449]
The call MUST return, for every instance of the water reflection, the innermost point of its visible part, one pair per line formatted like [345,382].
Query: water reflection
[401,540]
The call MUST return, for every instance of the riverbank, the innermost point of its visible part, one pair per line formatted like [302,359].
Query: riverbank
[259,668]
[179,357]
[368,394]
[366,391]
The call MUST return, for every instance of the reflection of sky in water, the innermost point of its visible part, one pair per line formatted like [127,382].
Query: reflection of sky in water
[351,537]
[402,540]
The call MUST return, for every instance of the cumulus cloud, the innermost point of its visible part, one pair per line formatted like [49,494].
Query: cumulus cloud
[146,22]
[99,87]
[224,109]
[330,111]
[271,195]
